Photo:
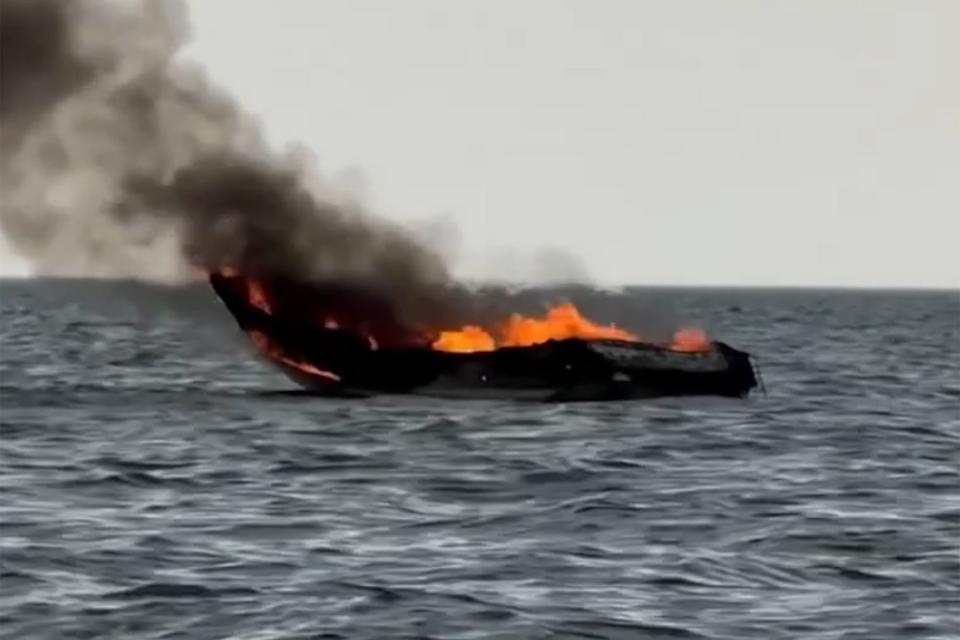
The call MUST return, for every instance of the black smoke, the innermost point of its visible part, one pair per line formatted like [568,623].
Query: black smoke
[120,159]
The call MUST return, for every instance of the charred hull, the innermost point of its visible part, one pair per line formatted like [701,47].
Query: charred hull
[563,370]
[337,361]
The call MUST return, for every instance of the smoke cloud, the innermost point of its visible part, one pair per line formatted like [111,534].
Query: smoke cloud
[122,160]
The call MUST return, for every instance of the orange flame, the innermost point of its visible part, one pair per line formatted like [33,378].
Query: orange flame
[690,339]
[560,322]
[263,343]
[257,296]
[469,338]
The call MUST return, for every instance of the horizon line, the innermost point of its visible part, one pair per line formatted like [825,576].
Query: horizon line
[24,278]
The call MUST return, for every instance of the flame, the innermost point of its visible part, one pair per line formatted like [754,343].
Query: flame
[469,338]
[266,346]
[690,339]
[560,322]
[257,296]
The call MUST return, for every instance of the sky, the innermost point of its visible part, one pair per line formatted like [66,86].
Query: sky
[762,142]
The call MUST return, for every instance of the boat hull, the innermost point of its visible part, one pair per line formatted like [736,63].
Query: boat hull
[342,363]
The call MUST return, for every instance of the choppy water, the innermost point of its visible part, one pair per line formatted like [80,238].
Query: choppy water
[157,482]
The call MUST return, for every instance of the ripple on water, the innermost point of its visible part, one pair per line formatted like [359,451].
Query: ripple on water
[154,484]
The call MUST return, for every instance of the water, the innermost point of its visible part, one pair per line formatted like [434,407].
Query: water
[158,482]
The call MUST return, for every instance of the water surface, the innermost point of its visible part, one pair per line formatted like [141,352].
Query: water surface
[159,482]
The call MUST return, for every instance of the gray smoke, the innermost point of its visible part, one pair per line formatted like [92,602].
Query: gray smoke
[120,159]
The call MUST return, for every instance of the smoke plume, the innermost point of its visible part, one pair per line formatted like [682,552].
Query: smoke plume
[120,159]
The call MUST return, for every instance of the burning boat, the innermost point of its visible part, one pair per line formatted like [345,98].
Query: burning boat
[334,340]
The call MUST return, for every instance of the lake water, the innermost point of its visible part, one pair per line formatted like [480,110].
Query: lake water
[160,482]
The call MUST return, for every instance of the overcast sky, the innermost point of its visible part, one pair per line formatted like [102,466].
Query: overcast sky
[809,142]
